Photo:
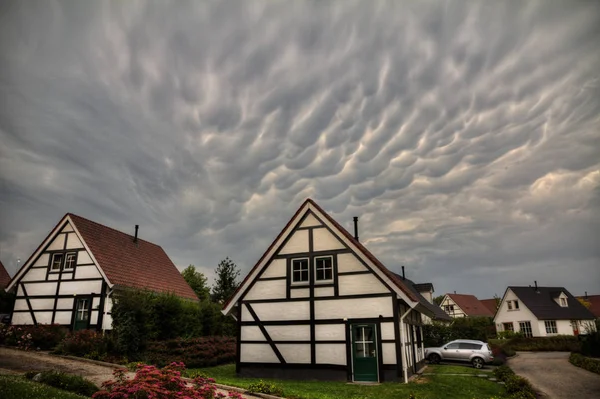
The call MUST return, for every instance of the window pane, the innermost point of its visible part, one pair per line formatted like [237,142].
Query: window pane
[324,269]
[300,270]
[452,346]
[57,261]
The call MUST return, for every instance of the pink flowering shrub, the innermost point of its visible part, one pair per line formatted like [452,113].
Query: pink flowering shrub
[83,343]
[42,336]
[151,382]
[16,336]
[194,352]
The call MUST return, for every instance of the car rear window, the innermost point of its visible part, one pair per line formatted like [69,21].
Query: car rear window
[465,345]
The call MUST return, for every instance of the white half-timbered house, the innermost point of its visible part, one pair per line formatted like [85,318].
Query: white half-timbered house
[70,278]
[319,305]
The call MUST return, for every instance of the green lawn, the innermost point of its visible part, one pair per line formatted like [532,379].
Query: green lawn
[426,387]
[455,369]
[19,387]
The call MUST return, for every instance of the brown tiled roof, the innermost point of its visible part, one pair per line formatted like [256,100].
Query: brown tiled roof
[471,305]
[4,277]
[491,304]
[594,301]
[397,281]
[126,263]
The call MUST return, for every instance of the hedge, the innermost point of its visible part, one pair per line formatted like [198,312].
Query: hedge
[193,352]
[557,343]
[516,387]
[586,363]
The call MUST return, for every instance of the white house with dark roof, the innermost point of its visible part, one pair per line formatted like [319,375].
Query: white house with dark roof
[70,278]
[542,311]
[319,305]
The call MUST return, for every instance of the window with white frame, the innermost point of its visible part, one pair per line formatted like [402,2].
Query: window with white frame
[449,308]
[56,262]
[508,326]
[512,305]
[550,326]
[563,302]
[324,269]
[300,271]
[70,260]
[525,328]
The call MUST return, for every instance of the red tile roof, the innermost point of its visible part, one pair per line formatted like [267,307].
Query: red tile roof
[397,281]
[491,304]
[594,301]
[126,263]
[471,305]
[4,277]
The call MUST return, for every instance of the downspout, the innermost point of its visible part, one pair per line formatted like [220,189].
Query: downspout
[422,344]
[104,312]
[404,356]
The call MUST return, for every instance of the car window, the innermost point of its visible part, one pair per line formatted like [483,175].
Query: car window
[465,345]
[452,346]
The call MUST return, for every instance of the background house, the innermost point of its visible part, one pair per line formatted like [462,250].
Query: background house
[542,311]
[463,305]
[70,278]
[319,305]
[491,304]
[4,277]
[424,292]
[594,301]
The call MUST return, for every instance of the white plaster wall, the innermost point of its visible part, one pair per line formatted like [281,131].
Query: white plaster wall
[353,308]
[272,289]
[34,289]
[565,327]
[107,322]
[21,318]
[80,287]
[295,353]
[323,240]
[67,276]
[252,333]
[53,276]
[73,242]
[349,263]
[35,275]
[41,304]
[427,295]
[279,311]
[387,331]
[288,333]
[64,303]
[297,243]
[361,284]
[87,272]
[67,228]
[277,268]
[95,302]
[323,291]
[260,353]
[389,353]
[21,304]
[300,293]
[43,260]
[94,317]
[58,243]
[310,221]
[330,354]
[62,318]
[43,317]
[83,258]
[503,315]
[332,332]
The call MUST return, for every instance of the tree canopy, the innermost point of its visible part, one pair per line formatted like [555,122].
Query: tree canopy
[197,281]
[226,280]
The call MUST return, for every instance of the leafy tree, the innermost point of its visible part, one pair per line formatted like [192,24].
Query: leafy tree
[226,282]
[498,300]
[197,281]
[584,302]
[438,299]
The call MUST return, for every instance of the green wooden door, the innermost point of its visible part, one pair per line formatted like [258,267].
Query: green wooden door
[364,352]
[82,313]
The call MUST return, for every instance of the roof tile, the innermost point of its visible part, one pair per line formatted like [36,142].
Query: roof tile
[471,305]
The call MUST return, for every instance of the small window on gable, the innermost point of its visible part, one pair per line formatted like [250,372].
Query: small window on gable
[70,261]
[56,262]
[563,302]
[512,305]
[509,305]
[324,269]
[516,304]
[300,271]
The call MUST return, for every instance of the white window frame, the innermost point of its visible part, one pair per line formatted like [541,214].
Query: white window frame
[563,302]
[315,269]
[512,305]
[521,329]
[508,323]
[74,254]
[551,327]
[307,271]
[52,269]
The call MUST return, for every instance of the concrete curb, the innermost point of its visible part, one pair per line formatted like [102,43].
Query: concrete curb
[246,392]
[91,361]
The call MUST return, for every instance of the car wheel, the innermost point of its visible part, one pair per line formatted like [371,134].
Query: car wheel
[478,362]
[434,358]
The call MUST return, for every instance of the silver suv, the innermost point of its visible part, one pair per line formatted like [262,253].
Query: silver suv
[478,353]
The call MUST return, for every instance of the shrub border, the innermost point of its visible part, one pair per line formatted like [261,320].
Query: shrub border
[587,363]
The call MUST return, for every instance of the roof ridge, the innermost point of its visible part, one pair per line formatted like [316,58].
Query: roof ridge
[112,228]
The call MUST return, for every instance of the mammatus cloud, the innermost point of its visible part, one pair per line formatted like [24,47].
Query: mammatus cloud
[464,135]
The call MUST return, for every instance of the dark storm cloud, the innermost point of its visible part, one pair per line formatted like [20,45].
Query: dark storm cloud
[464,135]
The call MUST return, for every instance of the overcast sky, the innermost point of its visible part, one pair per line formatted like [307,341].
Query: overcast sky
[465,135]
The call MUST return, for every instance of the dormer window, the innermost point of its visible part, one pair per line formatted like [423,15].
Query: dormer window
[300,271]
[563,302]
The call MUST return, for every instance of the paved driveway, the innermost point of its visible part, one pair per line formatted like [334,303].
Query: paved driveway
[551,373]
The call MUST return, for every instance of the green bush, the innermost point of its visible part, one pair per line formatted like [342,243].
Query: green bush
[590,344]
[193,352]
[586,363]
[85,343]
[503,372]
[517,387]
[265,387]
[67,382]
[560,343]
[479,328]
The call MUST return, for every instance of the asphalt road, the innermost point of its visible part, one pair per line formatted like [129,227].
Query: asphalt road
[553,375]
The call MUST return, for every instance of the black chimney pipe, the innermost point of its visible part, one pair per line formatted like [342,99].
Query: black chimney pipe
[356,227]
[403,278]
[535,285]
[137,226]
[586,295]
